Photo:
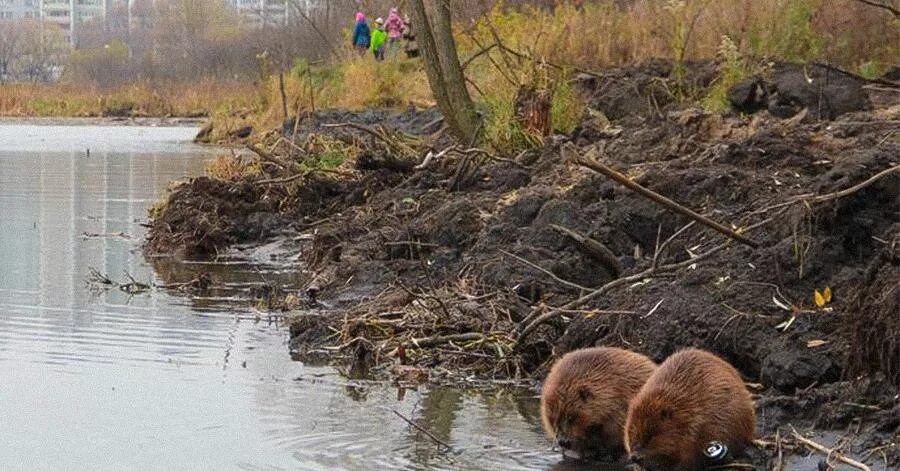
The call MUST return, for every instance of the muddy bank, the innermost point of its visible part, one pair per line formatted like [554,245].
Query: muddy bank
[471,263]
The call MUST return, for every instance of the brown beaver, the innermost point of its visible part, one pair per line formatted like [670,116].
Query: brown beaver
[585,398]
[694,403]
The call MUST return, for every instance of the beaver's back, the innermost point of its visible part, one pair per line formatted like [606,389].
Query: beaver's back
[692,399]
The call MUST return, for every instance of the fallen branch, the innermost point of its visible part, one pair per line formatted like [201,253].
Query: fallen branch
[596,250]
[546,272]
[593,164]
[379,134]
[855,188]
[442,339]
[828,451]
[423,430]
[268,157]
[297,176]
[814,199]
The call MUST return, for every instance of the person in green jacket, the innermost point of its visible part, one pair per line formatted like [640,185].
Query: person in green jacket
[379,37]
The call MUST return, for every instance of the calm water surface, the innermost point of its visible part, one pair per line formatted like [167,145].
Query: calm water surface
[105,381]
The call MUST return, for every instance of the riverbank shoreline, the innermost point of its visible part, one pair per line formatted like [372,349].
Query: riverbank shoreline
[162,121]
[471,264]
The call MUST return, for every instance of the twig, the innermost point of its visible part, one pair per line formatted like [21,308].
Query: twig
[813,199]
[423,430]
[546,272]
[380,135]
[828,452]
[885,138]
[265,155]
[662,248]
[432,156]
[442,339]
[855,188]
[535,319]
[595,249]
[779,463]
[478,54]
[586,161]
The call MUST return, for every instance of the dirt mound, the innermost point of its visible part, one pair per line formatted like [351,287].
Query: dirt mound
[644,90]
[823,91]
[478,264]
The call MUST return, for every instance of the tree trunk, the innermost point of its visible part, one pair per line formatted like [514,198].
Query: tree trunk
[445,75]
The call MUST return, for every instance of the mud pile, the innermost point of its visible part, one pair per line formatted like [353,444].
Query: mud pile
[478,264]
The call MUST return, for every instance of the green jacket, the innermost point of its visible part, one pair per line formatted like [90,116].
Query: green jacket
[379,36]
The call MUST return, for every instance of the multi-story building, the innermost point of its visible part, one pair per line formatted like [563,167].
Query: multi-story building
[19,9]
[71,14]
[67,14]
[258,13]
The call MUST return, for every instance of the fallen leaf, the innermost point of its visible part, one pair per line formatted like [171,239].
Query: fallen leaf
[820,300]
[827,294]
[815,343]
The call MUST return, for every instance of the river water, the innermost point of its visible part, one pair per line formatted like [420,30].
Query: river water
[96,379]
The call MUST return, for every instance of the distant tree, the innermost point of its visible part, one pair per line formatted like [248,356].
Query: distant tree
[39,53]
[11,36]
[445,74]
[105,65]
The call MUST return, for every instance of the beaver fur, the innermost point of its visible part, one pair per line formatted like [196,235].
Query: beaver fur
[584,400]
[692,399]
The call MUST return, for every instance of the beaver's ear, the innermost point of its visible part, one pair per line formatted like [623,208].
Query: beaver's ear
[666,413]
[585,393]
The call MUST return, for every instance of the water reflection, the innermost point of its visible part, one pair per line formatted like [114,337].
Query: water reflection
[158,381]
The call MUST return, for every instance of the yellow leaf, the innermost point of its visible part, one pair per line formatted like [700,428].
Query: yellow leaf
[815,343]
[827,294]
[820,300]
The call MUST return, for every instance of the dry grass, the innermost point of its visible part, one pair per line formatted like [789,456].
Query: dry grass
[602,34]
[189,99]
[232,168]
[597,35]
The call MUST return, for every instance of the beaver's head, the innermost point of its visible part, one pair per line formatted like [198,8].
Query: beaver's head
[657,435]
[578,417]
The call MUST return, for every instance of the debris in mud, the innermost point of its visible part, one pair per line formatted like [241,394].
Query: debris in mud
[99,281]
[479,264]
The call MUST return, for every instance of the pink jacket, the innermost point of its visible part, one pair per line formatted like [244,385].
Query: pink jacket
[394,24]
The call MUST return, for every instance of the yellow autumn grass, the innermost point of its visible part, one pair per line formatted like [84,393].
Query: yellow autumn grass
[78,100]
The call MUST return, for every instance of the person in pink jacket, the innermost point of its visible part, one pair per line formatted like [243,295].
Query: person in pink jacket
[394,28]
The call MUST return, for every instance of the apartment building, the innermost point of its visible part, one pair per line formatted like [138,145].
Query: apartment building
[19,9]
[69,15]
[259,13]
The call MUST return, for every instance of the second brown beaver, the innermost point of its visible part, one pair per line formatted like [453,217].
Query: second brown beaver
[585,399]
[694,402]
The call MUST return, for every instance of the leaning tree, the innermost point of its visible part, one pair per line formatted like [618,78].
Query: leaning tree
[434,33]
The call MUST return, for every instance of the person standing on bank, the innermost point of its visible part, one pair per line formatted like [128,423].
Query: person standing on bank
[411,47]
[379,37]
[394,28]
[361,33]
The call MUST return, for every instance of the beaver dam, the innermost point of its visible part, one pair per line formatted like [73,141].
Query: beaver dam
[768,234]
